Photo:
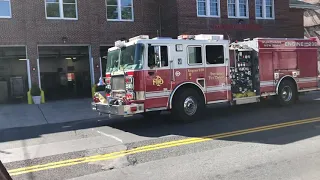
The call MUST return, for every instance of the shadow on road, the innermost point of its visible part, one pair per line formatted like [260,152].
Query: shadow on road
[217,119]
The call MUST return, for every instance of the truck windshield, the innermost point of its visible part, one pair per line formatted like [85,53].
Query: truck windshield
[127,58]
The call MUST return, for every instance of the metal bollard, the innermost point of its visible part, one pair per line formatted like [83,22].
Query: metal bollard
[4,175]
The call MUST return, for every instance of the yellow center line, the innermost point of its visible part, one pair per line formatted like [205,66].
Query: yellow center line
[114,155]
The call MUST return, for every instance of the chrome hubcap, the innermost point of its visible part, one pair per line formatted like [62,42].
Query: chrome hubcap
[286,93]
[190,106]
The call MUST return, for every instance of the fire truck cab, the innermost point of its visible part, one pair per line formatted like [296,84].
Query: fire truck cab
[183,75]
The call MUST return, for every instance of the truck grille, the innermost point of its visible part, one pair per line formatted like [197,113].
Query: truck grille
[118,83]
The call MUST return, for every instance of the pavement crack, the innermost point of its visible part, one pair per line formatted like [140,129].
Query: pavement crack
[111,168]
[132,160]
[43,114]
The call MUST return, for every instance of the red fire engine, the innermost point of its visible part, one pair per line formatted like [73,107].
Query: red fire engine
[183,75]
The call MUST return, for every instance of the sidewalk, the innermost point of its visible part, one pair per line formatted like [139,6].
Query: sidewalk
[23,115]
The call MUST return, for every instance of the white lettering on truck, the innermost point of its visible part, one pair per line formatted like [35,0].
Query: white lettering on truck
[300,44]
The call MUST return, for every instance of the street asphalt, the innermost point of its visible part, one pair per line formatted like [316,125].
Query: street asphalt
[160,149]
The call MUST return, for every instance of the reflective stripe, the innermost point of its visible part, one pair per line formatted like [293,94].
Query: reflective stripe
[307,79]
[267,83]
[157,94]
[218,88]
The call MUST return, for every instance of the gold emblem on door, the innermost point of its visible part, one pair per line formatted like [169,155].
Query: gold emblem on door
[158,81]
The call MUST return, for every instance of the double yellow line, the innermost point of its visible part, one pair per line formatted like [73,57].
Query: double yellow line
[115,155]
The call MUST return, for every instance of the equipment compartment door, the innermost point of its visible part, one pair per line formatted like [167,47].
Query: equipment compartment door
[217,70]
[157,76]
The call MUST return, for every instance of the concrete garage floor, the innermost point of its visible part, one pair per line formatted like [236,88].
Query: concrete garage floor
[23,115]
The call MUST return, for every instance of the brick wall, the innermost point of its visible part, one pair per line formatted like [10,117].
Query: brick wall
[29,26]
[91,22]
[287,23]
[169,18]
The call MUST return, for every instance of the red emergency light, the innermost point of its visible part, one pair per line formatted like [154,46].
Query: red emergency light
[185,36]
[108,80]
[133,109]
[313,38]
[96,100]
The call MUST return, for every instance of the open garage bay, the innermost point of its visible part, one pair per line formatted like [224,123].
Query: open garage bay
[13,75]
[65,72]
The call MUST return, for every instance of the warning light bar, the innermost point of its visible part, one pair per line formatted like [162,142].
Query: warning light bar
[210,37]
[139,37]
[120,44]
[186,37]
[313,38]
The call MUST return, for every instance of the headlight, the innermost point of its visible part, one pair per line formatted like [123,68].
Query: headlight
[129,82]
[129,86]
[130,95]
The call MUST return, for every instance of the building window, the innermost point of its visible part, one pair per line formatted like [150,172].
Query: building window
[209,8]
[5,9]
[259,5]
[120,10]
[238,9]
[61,9]
[264,9]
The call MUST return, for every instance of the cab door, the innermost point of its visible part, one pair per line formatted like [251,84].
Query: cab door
[217,70]
[157,76]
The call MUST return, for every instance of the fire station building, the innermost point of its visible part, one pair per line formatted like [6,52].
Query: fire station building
[61,45]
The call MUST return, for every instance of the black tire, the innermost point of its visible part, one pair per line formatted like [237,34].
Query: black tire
[287,93]
[151,115]
[190,98]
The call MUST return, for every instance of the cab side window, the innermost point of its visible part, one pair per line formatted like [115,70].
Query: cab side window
[215,54]
[158,56]
[194,55]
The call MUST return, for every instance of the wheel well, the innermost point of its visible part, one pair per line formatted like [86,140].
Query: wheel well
[183,87]
[287,78]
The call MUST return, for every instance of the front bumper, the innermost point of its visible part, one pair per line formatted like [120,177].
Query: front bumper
[118,110]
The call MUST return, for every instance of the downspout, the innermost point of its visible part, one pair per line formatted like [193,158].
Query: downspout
[160,20]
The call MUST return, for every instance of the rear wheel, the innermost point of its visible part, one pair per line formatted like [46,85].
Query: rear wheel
[187,105]
[287,93]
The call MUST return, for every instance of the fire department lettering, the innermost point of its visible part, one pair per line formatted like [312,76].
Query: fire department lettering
[158,81]
[215,76]
[281,43]
[302,44]
[195,70]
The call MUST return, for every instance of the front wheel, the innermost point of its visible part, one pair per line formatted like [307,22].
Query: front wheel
[287,93]
[187,105]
